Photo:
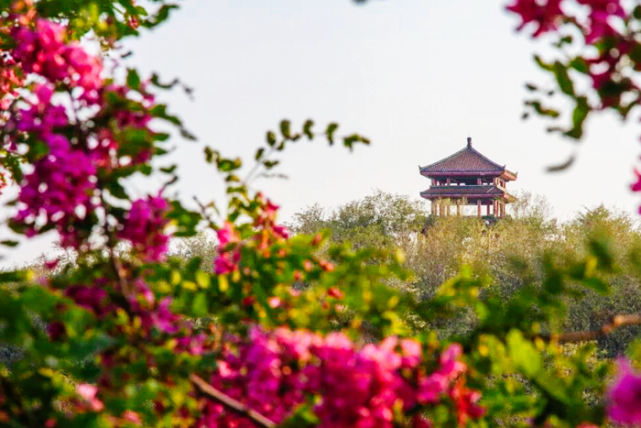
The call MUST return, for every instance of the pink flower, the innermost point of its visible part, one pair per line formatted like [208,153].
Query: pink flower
[274,372]
[88,393]
[94,299]
[412,352]
[281,231]
[223,264]
[43,51]
[421,422]
[144,225]
[431,388]
[133,417]
[544,13]
[466,402]
[163,318]
[60,188]
[624,396]
[227,234]
[274,302]
[194,345]
[451,368]
[636,187]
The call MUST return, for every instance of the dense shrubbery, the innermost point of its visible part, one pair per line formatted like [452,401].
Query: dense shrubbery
[512,253]
[268,328]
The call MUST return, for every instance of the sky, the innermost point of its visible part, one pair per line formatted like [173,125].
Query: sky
[416,77]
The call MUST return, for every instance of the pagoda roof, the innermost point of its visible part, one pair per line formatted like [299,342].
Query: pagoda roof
[466,161]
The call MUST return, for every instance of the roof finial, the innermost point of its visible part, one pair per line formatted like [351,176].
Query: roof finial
[469,141]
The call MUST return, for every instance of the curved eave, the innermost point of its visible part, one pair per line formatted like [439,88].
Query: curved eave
[509,175]
[464,173]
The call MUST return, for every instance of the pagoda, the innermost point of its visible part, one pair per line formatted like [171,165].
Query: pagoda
[468,178]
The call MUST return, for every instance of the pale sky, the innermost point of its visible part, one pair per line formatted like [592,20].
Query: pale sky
[416,77]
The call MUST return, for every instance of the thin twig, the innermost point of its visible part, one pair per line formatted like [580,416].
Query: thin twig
[230,403]
[113,259]
[615,322]
[203,211]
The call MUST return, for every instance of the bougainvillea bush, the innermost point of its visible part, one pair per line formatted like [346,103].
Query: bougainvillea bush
[268,333]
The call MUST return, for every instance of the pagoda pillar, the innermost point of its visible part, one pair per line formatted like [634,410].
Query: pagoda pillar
[433,207]
[458,207]
[489,211]
[478,204]
[449,210]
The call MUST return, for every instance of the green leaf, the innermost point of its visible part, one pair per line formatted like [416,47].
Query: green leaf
[271,138]
[270,164]
[523,354]
[133,79]
[563,79]
[199,307]
[543,111]
[542,64]
[579,64]
[307,129]
[352,139]
[563,166]
[15,276]
[203,279]
[9,243]
[169,169]
[580,113]
[331,130]
[285,129]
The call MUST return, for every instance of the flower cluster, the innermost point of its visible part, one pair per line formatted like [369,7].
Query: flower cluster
[269,232]
[228,257]
[596,28]
[144,225]
[548,14]
[43,51]
[624,397]
[275,372]
[63,189]
[545,14]
[9,81]
[60,188]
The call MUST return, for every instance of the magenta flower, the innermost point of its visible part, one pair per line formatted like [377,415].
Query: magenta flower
[88,393]
[624,396]
[144,225]
[227,234]
[274,372]
[281,231]
[94,299]
[224,263]
[43,51]
[544,13]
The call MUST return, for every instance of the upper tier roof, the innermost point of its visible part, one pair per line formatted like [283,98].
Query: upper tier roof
[466,162]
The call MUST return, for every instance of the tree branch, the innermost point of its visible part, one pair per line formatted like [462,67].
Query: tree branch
[615,322]
[230,403]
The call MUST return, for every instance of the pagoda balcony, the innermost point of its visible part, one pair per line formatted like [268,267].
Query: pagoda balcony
[484,191]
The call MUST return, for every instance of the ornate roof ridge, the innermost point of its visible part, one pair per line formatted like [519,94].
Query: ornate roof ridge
[490,164]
